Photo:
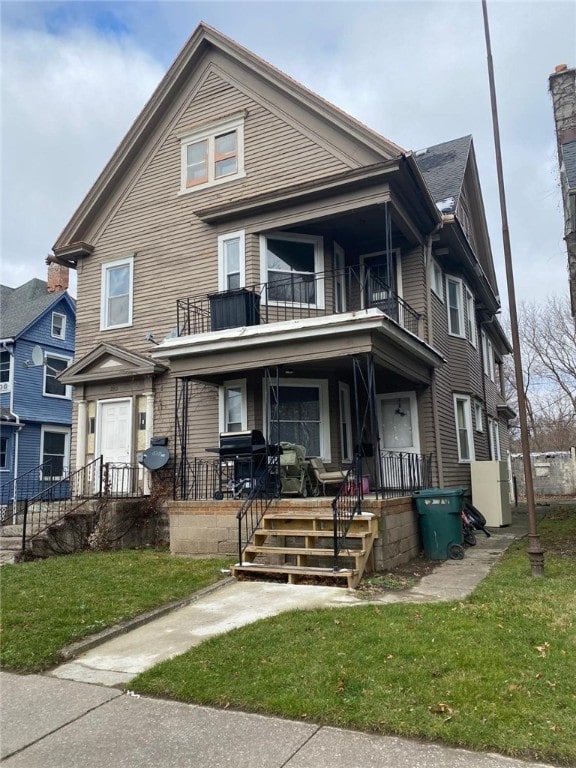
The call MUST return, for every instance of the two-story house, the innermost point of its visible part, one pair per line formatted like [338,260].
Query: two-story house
[36,406]
[254,258]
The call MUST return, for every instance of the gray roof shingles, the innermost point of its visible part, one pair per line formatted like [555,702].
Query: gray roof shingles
[21,306]
[443,167]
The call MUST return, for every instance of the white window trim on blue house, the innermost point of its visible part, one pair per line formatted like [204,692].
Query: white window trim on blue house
[48,428]
[49,373]
[58,326]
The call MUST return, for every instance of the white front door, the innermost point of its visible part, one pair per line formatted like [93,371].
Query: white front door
[115,441]
[400,436]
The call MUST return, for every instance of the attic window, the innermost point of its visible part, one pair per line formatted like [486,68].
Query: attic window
[58,330]
[212,154]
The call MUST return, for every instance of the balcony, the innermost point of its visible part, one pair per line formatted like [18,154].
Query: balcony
[296,297]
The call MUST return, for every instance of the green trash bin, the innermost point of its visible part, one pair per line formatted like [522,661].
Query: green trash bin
[440,522]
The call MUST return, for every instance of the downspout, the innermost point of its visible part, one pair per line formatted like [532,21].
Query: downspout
[16,418]
[430,340]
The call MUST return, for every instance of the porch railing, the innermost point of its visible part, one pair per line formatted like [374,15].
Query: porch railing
[297,296]
[265,488]
[28,484]
[346,505]
[46,507]
[403,473]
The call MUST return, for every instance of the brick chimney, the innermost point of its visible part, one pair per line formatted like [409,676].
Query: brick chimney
[58,277]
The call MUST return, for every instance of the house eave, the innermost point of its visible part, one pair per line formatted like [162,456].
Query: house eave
[292,331]
[298,193]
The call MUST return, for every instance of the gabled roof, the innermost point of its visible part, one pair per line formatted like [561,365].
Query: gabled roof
[443,167]
[22,306]
[110,361]
[70,244]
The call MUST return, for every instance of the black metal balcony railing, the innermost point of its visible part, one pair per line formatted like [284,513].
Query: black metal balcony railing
[296,296]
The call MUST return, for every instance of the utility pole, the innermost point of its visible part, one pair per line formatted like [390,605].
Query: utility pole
[535,551]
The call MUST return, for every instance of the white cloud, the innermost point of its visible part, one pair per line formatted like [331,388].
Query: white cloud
[67,101]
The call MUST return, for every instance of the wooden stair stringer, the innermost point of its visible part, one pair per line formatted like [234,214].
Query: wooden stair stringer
[301,536]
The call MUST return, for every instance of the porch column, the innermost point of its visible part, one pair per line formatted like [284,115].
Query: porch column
[81,432]
[148,434]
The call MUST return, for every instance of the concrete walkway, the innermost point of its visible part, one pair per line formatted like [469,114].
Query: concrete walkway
[74,716]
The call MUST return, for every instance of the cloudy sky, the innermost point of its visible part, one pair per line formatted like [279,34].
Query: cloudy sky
[76,74]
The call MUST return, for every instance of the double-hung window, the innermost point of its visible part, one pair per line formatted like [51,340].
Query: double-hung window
[470,316]
[292,267]
[3,453]
[494,434]
[488,354]
[54,452]
[213,154]
[53,387]
[116,295]
[58,326]
[455,306]
[5,370]
[231,261]
[437,281]
[464,435]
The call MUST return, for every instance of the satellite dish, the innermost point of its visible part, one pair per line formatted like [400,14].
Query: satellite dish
[155,457]
[37,355]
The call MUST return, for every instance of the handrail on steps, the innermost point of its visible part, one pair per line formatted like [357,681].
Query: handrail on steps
[264,490]
[346,505]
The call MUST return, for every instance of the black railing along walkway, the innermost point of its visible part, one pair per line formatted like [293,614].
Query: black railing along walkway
[26,485]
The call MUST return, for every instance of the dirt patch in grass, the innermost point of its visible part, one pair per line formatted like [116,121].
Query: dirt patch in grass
[398,579]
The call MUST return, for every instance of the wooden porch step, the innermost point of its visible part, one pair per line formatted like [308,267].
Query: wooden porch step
[305,551]
[294,574]
[304,532]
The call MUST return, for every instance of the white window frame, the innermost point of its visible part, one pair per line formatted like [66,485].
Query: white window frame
[470,316]
[209,133]
[223,403]
[68,389]
[478,416]
[223,241]
[6,386]
[494,437]
[318,243]
[66,460]
[488,355]
[322,386]
[459,308]
[62,334]
[106,268]
[345,412]
[437,280]
[464,400]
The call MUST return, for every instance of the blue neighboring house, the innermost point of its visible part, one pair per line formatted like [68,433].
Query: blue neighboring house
[35,407]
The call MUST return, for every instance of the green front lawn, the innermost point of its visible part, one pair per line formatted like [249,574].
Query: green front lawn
[495,672]
[47,604]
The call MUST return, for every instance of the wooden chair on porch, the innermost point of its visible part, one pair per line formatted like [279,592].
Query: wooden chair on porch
[325,477]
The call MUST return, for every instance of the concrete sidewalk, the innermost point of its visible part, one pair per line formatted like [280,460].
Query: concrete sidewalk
[51,723]
[63,719]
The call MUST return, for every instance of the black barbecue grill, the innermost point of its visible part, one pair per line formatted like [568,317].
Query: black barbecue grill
[248,452]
